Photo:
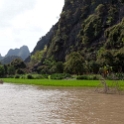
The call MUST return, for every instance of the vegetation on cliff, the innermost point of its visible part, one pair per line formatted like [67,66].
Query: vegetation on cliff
[92,29]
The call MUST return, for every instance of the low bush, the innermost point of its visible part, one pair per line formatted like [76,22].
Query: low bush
[116,76]
[10,76]
[20,71]
[88,77]
[30,76]
[82,77]
[60,76]
[40,76]
[17,76]
[22,77]
[45,76]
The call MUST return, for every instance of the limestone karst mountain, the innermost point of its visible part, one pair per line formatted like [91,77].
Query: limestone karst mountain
[22,53]
[94,28]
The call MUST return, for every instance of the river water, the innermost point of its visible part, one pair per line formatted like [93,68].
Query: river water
[23,104]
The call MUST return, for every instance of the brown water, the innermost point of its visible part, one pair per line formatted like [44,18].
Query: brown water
[21,104]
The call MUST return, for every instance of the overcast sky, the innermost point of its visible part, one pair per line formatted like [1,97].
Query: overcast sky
[24,22]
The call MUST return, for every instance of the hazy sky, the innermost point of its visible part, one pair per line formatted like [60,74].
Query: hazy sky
[24,22]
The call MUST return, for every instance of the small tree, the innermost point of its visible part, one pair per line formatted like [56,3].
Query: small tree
[18,63]
[11,70]
[74,63]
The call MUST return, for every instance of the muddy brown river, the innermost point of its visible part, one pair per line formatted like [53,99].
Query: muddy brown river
[23,104]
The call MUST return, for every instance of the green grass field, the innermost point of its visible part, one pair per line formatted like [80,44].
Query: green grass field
[66,83]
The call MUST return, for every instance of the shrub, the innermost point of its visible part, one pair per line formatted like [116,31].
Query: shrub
[20,71]
[45,76]
[88,77]
[100,9]
[10,76]
[74,63]
[60,76]
[22,77]
[30,76]
[38,77]
[17,76]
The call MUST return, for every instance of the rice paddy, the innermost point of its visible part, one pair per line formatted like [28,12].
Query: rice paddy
[65,83]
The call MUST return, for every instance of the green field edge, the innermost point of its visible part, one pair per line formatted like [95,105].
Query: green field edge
[65,83]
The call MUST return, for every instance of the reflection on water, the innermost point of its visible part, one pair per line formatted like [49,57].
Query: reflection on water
[21,104]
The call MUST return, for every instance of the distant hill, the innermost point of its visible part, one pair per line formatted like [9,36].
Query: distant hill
[9,59]
[23,52]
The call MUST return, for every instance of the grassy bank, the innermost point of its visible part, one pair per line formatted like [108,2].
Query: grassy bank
[49,82]
[67,83]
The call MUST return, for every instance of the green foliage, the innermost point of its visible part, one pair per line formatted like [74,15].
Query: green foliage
[66,14]
[59,67]
[29,76]
[84,11]
[74,63]
[100,9]
[39,77]
[16,66]
[115,36]
[88,77]
[6,69]
[36,76]
[112,53]
[112,14]
[48,67]
[43,69]
[94,66]
[59,76]
[11,70]
[17,76]
[113,58]
[2,71]
[119,60]
[105,57]
[18,63]
[49,61]
[91,28]
[20,71]
[37,56]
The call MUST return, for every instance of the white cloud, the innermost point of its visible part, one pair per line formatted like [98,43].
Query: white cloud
[23,22]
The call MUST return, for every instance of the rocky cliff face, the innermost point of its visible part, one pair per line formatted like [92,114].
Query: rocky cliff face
[95,28]
[43,41]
